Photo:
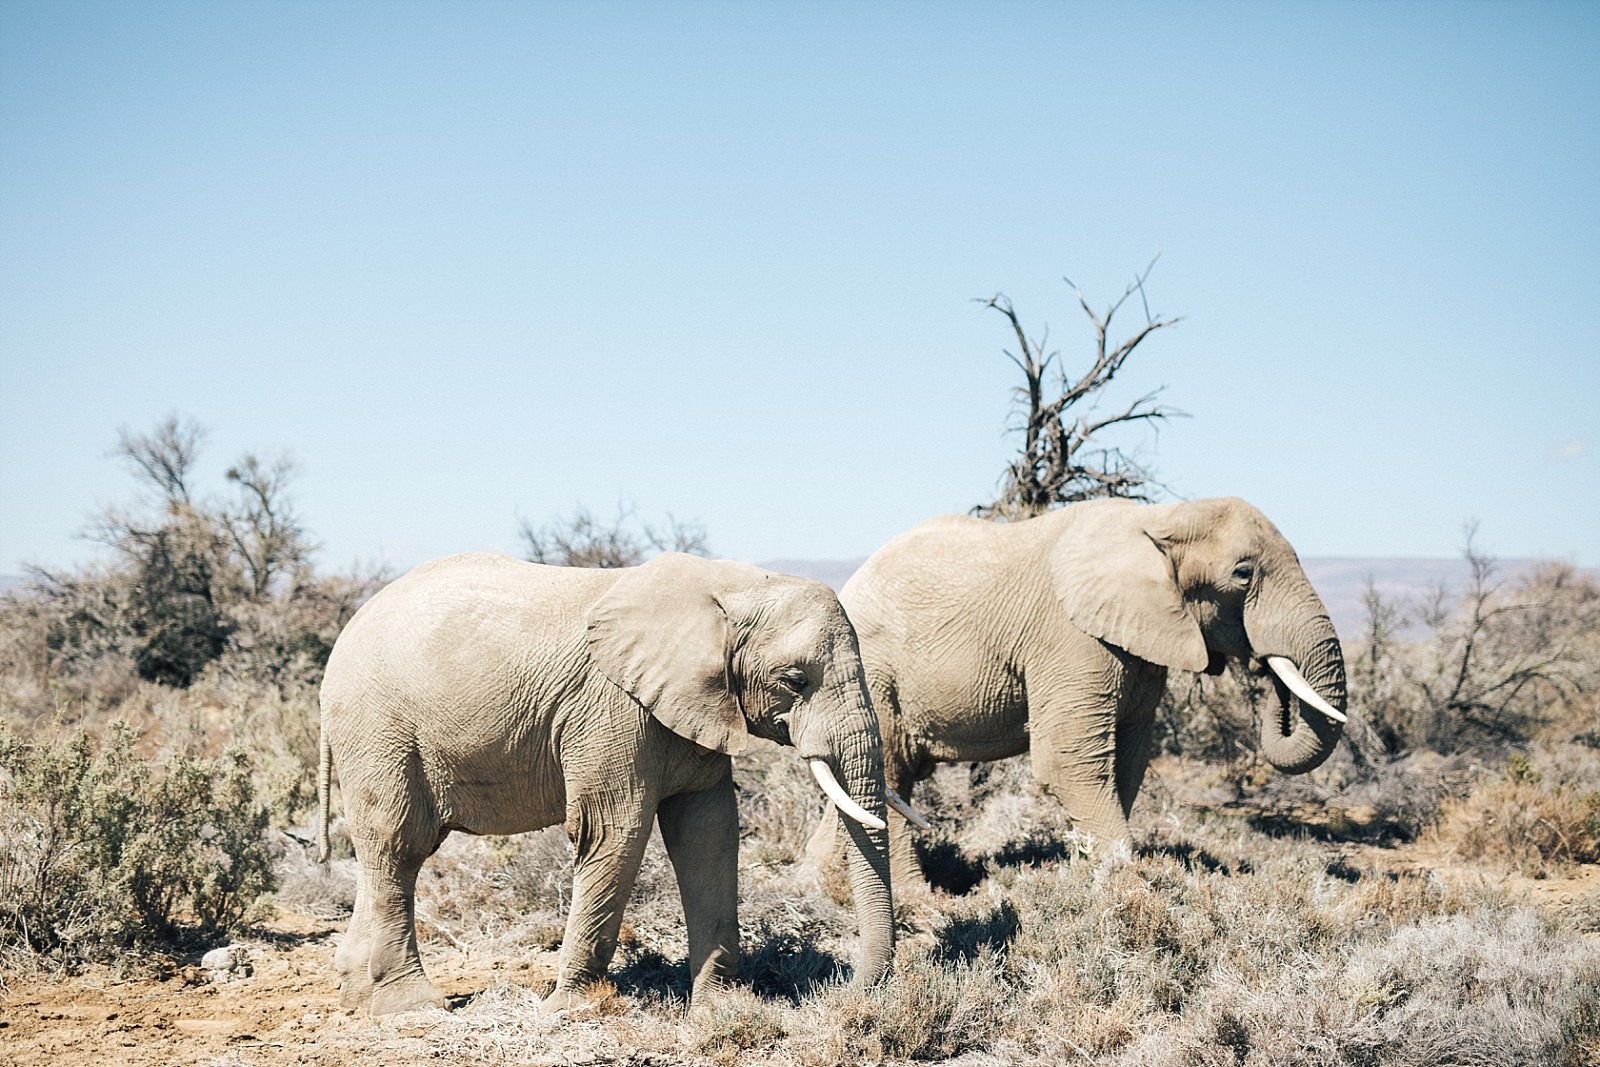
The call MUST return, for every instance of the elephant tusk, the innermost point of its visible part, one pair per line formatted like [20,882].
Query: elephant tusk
[1285,669]
[905,809]
[841,800]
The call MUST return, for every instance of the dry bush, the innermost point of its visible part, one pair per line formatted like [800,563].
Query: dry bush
[1207,718]
[502,894]
[1500,660]
[779,804]
[106,851]
[987,816]
[583,540]
[1541,812]
[320,890]
[735,1025]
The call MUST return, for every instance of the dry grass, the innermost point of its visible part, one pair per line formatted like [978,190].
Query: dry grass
[1215,944]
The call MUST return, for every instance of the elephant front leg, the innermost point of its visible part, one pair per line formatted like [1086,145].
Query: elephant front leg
[701,832]
[1074,756]
[608,846]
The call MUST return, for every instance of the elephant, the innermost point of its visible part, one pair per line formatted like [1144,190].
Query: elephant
[491,695]
[1053,635]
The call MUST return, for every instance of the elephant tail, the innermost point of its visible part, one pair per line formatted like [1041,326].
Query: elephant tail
[324,787]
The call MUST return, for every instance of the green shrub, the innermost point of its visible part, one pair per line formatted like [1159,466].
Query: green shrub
[105,852]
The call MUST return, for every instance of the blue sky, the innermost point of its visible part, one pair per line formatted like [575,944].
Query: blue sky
[469,263]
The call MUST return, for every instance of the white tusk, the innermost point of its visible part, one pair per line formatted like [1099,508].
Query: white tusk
[905,809]
[841,800]
[1285,669]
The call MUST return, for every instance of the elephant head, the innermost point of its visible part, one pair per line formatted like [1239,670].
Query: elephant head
[1192,584]
[717,651]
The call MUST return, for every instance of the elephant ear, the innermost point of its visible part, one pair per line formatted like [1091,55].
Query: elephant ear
[661,636]
[1116,583]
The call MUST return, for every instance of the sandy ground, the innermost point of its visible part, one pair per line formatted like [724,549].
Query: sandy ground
[287,1010]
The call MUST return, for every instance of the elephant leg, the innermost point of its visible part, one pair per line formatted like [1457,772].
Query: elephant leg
[393,963]
[608,839]
[355,950]
[1074,750]
[701,832]
[904,867]
[1135,732]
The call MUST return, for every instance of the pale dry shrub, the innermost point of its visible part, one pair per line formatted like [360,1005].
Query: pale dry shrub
[506,895]
[988,815]
[107,854]
[1490,987]
[1498,660]
[320,890]
[779,804]
[734,1025]
[1214,944]
[1541,813]
[928,1009]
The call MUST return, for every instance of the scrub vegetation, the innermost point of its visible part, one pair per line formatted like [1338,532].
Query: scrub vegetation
[158,739]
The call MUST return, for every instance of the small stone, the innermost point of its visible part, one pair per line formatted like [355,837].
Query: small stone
[227,963]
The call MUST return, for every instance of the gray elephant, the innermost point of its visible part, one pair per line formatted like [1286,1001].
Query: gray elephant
[493,696]
[1054,636]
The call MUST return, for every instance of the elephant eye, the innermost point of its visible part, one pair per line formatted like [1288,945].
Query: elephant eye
[793,679]
[1244,571]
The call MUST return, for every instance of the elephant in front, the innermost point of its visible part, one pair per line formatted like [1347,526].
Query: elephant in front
[1054,635]
[489,695]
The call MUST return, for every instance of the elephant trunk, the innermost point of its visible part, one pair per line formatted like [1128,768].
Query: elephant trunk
[1296,737]
[847,740]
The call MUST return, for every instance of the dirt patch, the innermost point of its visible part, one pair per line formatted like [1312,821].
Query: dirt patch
[285,1012]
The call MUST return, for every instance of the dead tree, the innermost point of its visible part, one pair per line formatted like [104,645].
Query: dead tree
[1062,460]
[583,540]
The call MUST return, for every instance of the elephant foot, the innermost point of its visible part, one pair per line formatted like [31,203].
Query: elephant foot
[1111,858]
[410,993]
[598,996]
[355,994]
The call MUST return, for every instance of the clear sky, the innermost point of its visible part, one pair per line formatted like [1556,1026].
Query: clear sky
[470,262]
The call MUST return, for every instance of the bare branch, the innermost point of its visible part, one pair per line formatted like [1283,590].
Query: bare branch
[1051,469]
[582,540]
[166,456]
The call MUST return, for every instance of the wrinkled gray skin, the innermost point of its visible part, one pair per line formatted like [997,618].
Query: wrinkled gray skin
[488,695]
[1054,636]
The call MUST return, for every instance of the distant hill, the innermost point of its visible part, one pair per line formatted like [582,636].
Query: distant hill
[1340,581]
[832,572]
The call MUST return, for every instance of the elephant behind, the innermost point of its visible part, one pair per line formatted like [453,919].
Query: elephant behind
[1054,635]
[489,695]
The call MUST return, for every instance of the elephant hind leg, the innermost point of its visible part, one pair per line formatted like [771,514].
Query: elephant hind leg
[354,954]
[394,966]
